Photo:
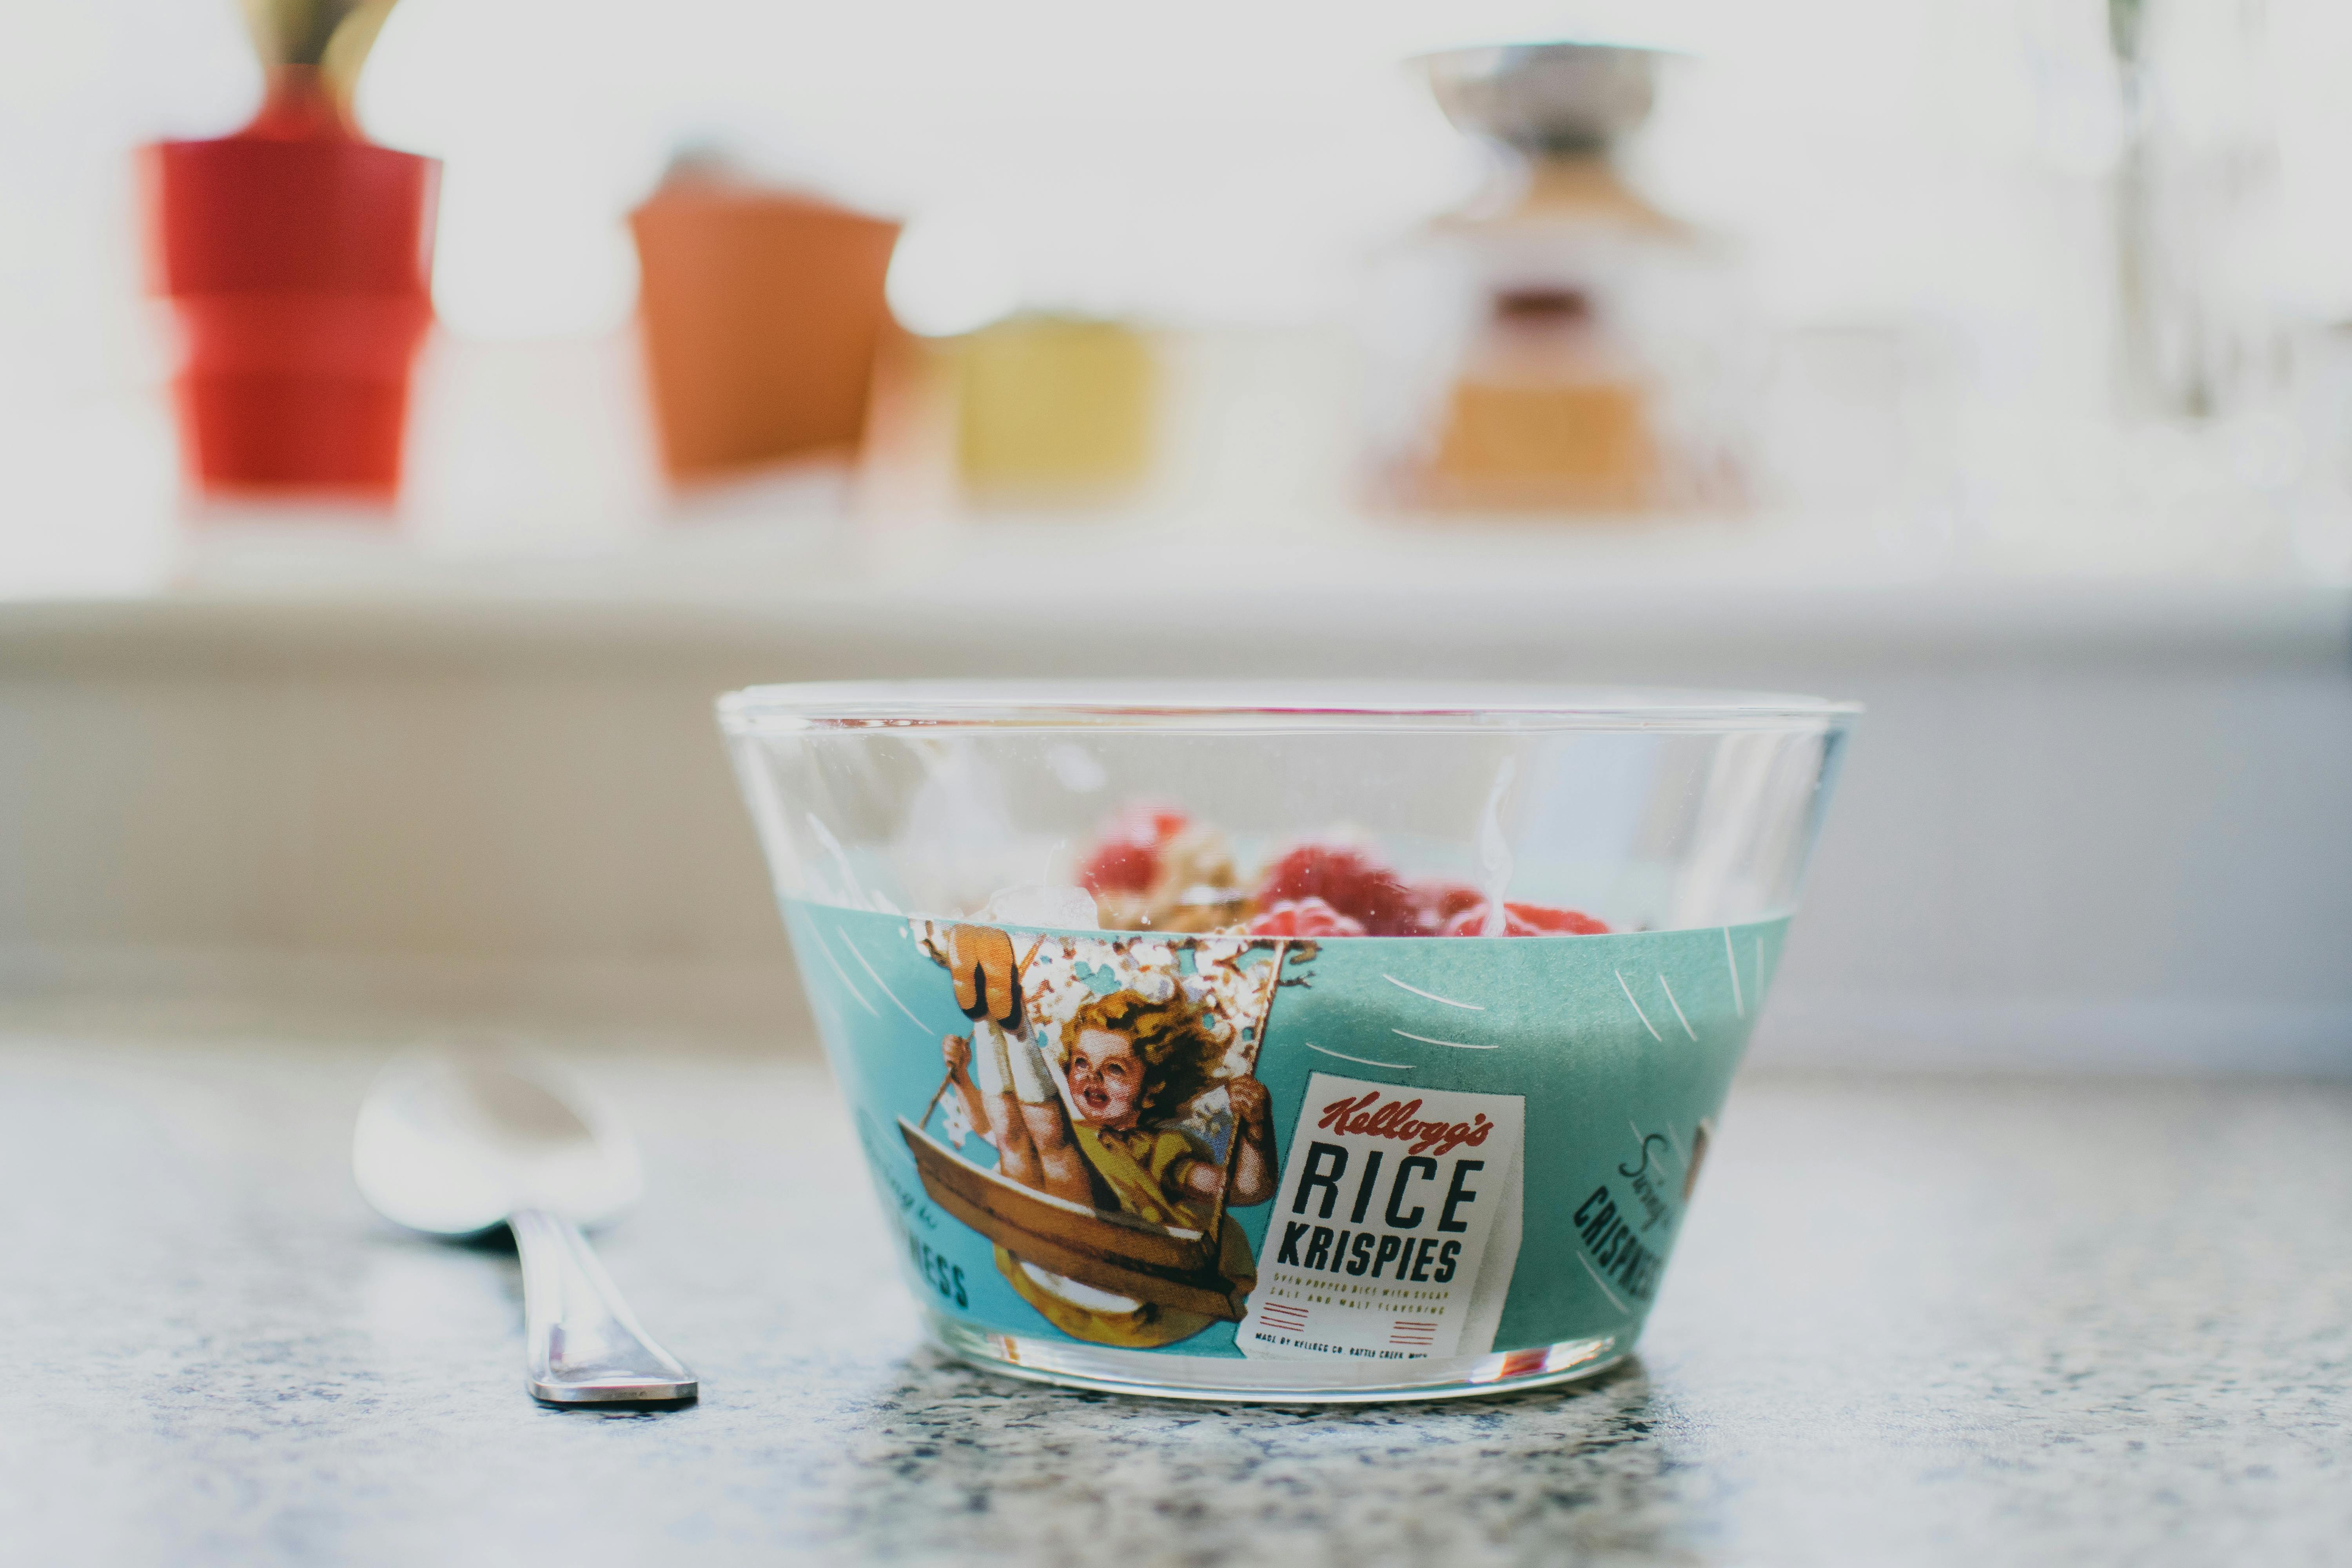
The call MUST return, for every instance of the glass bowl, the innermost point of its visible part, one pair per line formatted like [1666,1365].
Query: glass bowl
[1285,1042]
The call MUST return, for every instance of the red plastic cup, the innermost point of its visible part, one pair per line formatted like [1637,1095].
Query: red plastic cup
[297,259]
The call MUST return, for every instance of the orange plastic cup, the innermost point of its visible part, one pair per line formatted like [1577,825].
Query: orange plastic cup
[762,312]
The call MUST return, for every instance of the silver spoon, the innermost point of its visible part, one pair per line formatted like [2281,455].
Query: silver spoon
[456,1144]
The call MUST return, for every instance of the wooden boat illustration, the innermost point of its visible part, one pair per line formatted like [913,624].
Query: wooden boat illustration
[1115,1252]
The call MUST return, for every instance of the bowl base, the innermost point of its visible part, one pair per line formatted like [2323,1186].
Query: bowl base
[1240,1380]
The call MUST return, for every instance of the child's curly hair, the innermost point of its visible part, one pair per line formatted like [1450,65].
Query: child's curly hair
[1178,1052]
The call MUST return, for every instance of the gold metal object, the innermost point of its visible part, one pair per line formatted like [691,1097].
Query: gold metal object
[331,36]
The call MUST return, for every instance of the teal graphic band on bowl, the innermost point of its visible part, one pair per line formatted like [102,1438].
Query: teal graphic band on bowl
[1256,1148]
[1598,1064]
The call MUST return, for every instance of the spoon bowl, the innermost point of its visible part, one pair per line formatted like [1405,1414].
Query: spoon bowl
[455,1143]
[451,1143]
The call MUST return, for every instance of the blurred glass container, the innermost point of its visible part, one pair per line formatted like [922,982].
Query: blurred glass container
[762,312]
[1545,410]
[1558,344]
[1055,409]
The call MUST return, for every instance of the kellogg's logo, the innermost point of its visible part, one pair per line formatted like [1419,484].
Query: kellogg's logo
[1396,1119]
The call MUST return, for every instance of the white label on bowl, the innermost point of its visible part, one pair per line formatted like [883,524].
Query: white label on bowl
[1396,1227]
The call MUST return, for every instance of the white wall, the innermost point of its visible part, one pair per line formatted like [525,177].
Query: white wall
[2077,828]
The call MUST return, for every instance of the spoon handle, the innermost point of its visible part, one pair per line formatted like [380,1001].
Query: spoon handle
[582,1345]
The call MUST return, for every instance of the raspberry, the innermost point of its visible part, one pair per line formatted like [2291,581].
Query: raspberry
[1120,866]
[1125,858]
[1305,917]
[1146,822]
[1349,881]
[1526,920]
[1546,920]
[1441,902]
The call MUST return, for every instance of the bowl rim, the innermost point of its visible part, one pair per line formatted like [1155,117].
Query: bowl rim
[1263,707]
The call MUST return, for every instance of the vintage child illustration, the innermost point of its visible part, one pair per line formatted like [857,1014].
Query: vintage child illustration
[1112,1080]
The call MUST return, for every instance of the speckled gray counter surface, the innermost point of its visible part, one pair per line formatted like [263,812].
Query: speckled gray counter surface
[1911,1321]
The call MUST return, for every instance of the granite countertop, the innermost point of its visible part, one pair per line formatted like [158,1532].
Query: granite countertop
[1912,1321]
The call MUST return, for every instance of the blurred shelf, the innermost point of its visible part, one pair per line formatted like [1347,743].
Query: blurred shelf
[1206,594]
[2092,815]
